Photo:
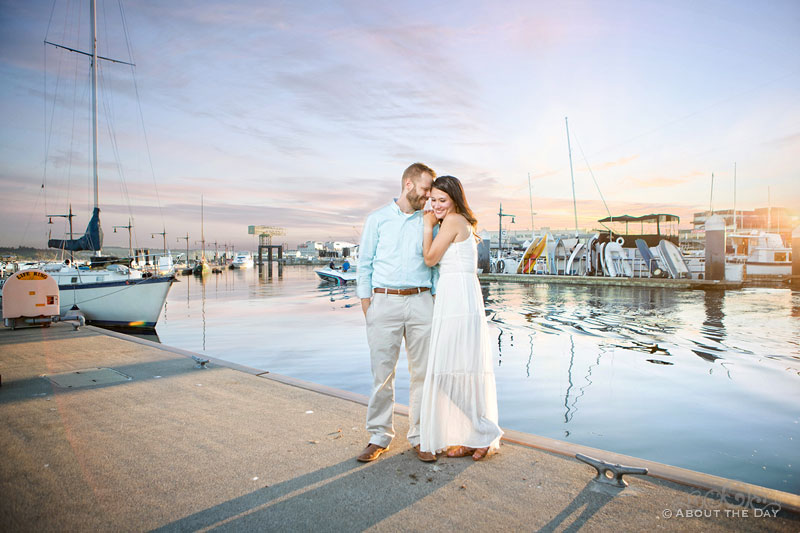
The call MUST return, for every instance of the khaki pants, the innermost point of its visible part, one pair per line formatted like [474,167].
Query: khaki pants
[390,318]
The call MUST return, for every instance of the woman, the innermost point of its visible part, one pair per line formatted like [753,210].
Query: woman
[459,399]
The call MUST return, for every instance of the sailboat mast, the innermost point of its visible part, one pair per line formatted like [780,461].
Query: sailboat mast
[571,175]
[711,198]
[734,196]
[530,197]
[202,231]
[94,103]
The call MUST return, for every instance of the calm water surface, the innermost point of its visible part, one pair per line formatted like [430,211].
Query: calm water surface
[708,381]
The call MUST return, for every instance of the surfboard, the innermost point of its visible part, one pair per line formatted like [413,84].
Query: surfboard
[533,252]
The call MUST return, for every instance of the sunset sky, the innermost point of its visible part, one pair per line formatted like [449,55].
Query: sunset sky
[304,114]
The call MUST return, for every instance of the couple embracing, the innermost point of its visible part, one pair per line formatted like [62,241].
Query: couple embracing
[439,312]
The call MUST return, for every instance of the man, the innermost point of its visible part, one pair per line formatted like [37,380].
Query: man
[396,290]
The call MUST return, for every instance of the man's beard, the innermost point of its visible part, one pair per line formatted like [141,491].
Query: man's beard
[416,201]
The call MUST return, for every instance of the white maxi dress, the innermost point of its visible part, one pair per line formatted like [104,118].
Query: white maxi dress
[459,398]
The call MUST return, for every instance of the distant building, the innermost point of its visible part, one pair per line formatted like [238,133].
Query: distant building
[339,249]
[333,249]
[310,249]
[780,220]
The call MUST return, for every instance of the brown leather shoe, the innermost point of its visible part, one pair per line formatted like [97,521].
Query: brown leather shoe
[426,457]
[370,453]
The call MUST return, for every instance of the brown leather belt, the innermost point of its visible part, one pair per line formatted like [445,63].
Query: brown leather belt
[401,292]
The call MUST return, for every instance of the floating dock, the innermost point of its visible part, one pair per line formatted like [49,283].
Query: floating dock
[663,283]
[102,431]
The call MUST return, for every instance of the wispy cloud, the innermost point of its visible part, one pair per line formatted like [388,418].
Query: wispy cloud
[787,141]
[666,182]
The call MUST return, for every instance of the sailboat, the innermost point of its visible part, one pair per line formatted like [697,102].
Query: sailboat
[109,293]
[202,268]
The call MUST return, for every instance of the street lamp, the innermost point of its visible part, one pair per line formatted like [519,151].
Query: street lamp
[500,231]
[130,244]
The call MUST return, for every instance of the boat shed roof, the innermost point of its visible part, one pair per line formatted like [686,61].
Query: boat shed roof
[654,217]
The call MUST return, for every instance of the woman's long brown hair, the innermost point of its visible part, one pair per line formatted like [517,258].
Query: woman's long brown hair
[453,188]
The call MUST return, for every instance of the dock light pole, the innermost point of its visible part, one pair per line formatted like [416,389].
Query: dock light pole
[500,230]
[187,247]
[163,233]
[130,244]
[69,217]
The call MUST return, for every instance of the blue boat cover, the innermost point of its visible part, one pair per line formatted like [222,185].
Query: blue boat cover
[92,240]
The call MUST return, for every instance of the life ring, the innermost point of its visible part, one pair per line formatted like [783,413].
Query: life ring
[501,266]
[620,241]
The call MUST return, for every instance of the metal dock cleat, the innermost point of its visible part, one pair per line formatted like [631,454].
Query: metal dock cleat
[610,474]
[201,363]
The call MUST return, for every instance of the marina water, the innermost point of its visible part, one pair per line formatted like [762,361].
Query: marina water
[705,380]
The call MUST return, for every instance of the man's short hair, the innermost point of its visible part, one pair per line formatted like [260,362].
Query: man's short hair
[413,172]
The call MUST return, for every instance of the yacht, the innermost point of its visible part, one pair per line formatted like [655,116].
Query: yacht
[107,294]
[763,254]
[112,296]
[242,260]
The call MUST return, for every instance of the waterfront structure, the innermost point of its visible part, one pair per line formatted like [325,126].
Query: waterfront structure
[780,220]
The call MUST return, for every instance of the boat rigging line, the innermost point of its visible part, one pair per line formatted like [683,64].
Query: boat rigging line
[591,173]
[572,176]
[97,75]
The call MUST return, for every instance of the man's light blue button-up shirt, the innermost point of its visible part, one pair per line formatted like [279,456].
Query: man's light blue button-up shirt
[390,254]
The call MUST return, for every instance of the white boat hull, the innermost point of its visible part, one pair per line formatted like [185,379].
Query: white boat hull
[336,276]
[615,261]
[768,269]
[134,303]
[242,261]
[576,265]
[673,260]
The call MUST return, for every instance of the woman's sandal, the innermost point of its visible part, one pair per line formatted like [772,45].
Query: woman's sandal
[460,451]
[480,453]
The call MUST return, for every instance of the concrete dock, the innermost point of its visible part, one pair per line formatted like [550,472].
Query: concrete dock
[102,432]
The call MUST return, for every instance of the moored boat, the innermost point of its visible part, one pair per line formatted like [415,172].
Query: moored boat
[107,294]
[242,260]
[763,254]
[340,277]
[673,260]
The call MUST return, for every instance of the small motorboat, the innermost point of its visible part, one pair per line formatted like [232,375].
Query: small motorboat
[673,260]
[615,262]
[242,260]
[340,277]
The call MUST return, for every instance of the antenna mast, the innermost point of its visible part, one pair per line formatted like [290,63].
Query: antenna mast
[734,196]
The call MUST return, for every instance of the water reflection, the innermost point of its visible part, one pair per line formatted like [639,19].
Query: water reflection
[714,326]
[203,308]
[530,357]
[567,415]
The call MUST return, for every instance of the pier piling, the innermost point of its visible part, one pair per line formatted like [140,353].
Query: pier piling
[795,256]
[715,248]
